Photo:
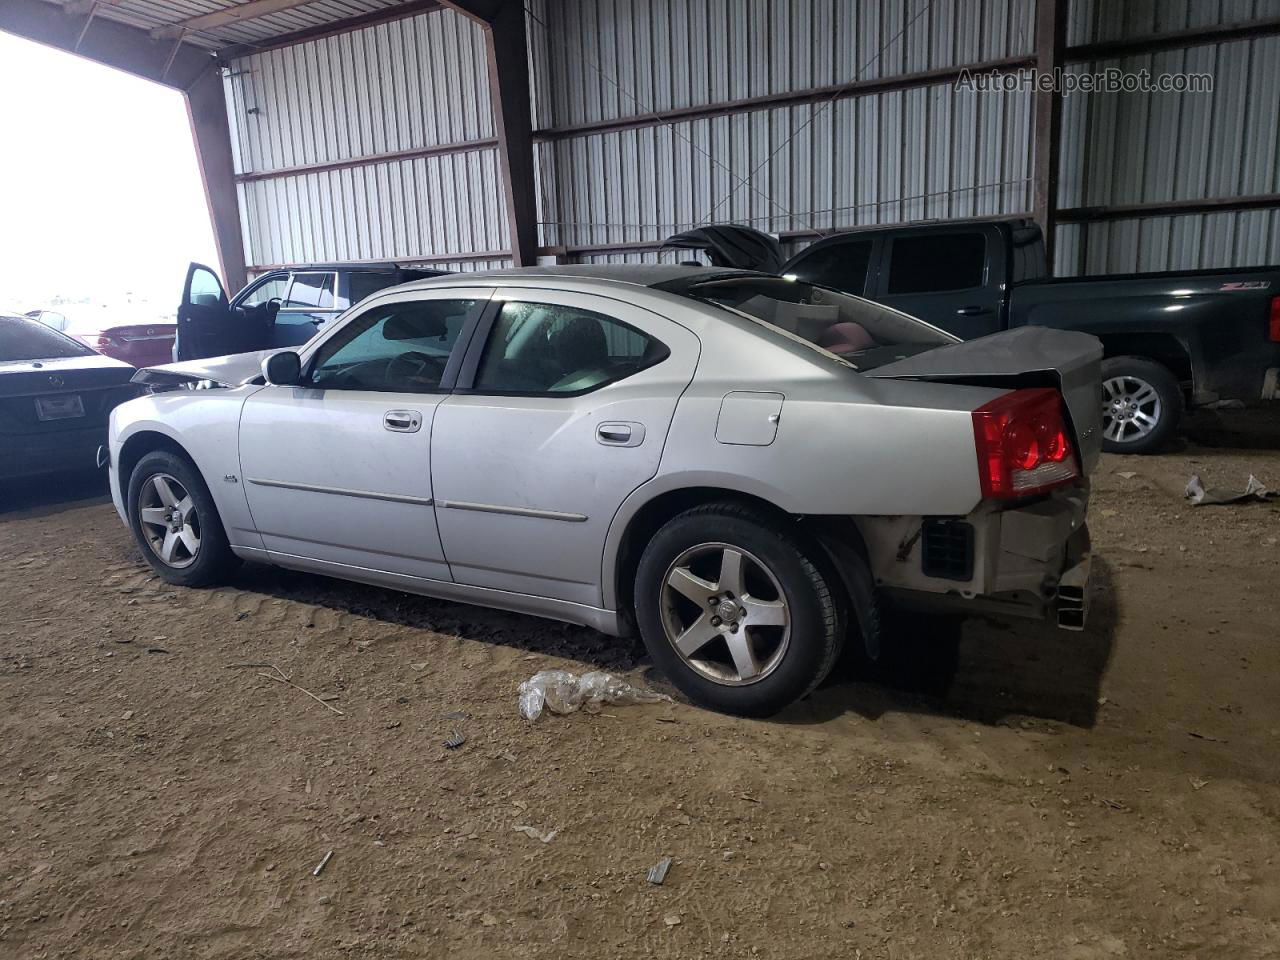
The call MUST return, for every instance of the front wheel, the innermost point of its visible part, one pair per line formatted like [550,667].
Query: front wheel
[735,609]
[1141,405]
[175,522]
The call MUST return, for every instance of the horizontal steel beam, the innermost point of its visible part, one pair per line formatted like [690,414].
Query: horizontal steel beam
[461,146]
[410,9]
[1172,208]
[240,13]
[1196,36]
[839,91]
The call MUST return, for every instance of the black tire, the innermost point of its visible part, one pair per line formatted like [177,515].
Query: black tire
[1133,374]
[213,562]
[777,556]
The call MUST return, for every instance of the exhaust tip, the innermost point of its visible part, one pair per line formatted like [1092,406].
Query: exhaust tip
[1071,607]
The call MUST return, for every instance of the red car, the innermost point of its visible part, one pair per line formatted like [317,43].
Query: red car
[138,344]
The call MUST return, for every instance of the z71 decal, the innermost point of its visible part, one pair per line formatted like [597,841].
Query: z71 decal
[1246,285]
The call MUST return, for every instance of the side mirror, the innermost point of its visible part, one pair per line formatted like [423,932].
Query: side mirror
[282,369]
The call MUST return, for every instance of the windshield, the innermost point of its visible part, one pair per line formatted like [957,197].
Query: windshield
[22,339]
[865,334]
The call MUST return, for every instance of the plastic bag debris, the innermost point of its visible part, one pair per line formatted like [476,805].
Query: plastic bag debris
[533,833]
[1254,490]
[563,692]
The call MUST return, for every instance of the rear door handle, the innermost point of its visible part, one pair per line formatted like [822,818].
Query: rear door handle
[402,421]
[973,311]
[620,434]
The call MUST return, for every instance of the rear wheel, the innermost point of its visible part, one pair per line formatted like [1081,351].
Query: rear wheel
[1141,405]
[735,609]
[175,522]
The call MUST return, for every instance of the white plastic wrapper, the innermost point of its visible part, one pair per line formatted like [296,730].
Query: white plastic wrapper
[563,692]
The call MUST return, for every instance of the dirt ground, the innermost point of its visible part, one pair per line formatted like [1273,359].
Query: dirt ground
[1114,793]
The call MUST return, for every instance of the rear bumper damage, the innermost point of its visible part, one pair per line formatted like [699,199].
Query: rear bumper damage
[1027,561]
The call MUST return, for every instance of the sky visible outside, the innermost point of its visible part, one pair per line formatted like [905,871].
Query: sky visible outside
[100,194]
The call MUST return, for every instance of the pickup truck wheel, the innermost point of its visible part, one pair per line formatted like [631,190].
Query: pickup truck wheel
[1141,405]
[736,610]
[175,522]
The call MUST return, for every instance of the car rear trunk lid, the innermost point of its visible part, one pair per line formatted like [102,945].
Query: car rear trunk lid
[1024,357]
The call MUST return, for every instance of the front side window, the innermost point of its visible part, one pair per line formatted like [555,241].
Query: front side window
[206,288]
[841,266]
[310,291]
[271,288]
[539,348]
[393,348]
[932,264]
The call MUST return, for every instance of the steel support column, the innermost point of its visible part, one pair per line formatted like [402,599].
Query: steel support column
[1051,37]
[507,44]
[207,111]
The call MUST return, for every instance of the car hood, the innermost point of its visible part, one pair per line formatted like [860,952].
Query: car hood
[231,371]
[1023,357]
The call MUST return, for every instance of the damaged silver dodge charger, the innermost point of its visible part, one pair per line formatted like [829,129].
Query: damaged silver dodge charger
[740,466]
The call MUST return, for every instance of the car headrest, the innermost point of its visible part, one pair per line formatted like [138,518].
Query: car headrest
[580,343]
[845,337]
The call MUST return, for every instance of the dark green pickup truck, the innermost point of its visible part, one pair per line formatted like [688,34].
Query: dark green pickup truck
[1171,340]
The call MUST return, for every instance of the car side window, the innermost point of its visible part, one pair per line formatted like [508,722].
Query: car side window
[932,264]
[270,288]
[392,348]
[840,266]
[547,349]
[310,290]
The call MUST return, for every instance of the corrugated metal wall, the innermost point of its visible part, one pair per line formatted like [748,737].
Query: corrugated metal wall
[410,85]
[401,86]
[880,158]
[1126,148]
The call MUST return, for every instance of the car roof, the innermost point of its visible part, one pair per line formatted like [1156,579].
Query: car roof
[643,275]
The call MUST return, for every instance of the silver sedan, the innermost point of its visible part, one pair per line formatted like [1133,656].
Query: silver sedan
[742,467]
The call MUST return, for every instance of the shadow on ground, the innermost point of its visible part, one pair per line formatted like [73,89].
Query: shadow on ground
[47,495]
[986,670]
[1253,428]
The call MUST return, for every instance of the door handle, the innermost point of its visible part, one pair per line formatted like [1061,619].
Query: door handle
[973,311]
[618,434]
[402,421]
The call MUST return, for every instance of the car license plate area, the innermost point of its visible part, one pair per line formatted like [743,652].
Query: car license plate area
[64,407]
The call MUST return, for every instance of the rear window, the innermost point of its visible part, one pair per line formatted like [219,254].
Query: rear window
[864,333]
[28,340]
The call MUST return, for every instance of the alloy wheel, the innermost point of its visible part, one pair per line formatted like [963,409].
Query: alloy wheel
[169,520]
[724,612]
[1131,409]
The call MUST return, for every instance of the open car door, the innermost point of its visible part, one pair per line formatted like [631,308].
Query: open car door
[730,245]
[207,324]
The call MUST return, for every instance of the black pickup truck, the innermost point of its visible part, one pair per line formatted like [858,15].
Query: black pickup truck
[1171,340]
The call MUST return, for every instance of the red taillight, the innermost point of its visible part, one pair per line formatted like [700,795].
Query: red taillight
[102,340]
[1023,444]
[1275,320]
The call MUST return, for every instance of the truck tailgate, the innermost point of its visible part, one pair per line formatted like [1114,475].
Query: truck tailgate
[1027,356]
